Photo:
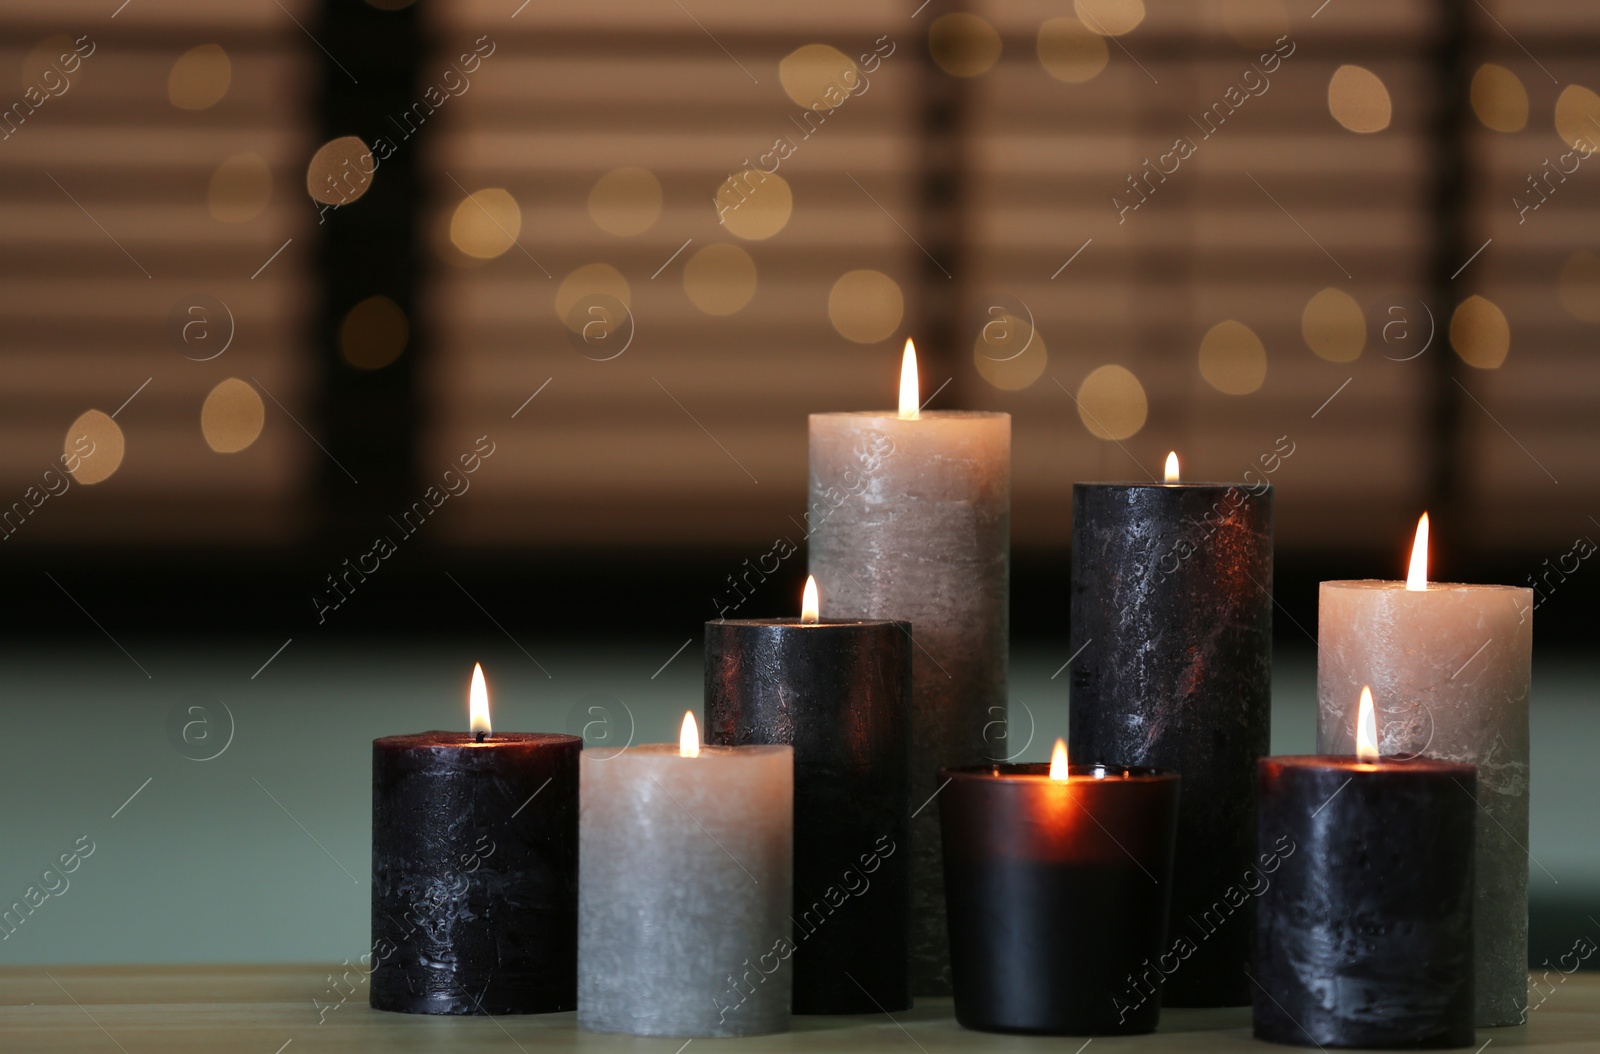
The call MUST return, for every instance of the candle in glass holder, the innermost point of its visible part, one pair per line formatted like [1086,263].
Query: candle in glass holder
[1058,881]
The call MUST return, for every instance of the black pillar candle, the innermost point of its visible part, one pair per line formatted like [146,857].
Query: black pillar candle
[1364,934]
[839,692]
[1057,895]
[475,873]
[1171,641]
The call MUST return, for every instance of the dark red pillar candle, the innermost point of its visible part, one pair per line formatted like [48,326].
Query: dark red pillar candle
[1364,933]
[1057,895]
[475,873]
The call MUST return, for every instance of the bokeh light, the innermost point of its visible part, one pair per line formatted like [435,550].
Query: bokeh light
[590,280]
[1070,52]
[866,306]
[1232,358]
[1578,117]
[1009,353]
[1499,99]
[241,189]
[754,205]
[720,279]
[93,447]
[373,333]
[1110,18]
[1358,99]
[232,416]
[1112,403]
[45,58]
[1255,23]
[1579,286]
[963,44]
[340,171]
[1480,333]
[200,78]
[486,223]
[818,76]
[626,201]
[1334,326]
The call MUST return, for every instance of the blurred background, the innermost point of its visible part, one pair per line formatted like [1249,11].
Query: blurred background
[540,295]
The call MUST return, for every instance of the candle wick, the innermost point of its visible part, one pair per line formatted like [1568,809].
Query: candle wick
[482,735]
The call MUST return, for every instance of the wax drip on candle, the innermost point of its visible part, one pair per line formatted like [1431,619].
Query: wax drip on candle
[479,704]
[910,397]
[1058,762]
[1366,727]
[1417,578]
[810,606]
[1172,466]
[689,736]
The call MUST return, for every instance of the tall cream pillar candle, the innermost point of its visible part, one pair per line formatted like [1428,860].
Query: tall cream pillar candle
[1449,667]
[910,518]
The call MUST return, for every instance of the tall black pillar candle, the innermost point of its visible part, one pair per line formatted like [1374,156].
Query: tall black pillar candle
[475,873]
[1171,641]
[1364,934]
[838,691]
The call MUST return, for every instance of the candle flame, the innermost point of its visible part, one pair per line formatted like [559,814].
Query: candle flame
[689,737]
[1172,466]
[1058,762]
[479,701]
[1366,728]
[810,606]
[910,397]
[1417,578]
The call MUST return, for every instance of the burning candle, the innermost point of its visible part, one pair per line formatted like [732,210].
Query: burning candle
[1364,936]
[1451,664]
[839,692]
[910,518]
[1171,645]
[1058,881]
[475,869]
[684,896]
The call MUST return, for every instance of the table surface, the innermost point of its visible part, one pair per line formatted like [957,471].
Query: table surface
[269,1010]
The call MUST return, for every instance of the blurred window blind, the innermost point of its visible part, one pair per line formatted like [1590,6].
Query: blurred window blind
[152,165]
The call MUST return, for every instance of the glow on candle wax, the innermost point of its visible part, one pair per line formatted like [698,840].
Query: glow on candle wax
[689,736]
[910,397]
[1058,762]
[809,604]
[479,702]
[1417,577]
[1366,728]
[1172,466]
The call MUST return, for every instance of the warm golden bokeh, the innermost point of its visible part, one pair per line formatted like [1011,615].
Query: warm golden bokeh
[1069,51]
[626,201]
[590,280]
[1110,18]
[241,189]
[486,223]
[232,416]
[720,279]
[1334,326]
[754,205]
[1578,117]
[199,78]
[963,44]
[818,76]
[93,447]
[340,171]
[1579,286]
[1358,99]
[1499,99]
[1480,333]
[373,333]
[1112,403]
[1010,353]
[866,306]
[1232,358]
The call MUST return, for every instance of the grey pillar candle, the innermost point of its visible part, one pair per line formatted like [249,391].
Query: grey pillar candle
[910,518]
[1450,668]
[1171,641]
[839,692]
[684,890]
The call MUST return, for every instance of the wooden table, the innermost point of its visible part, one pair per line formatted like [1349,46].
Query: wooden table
[269,1010]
